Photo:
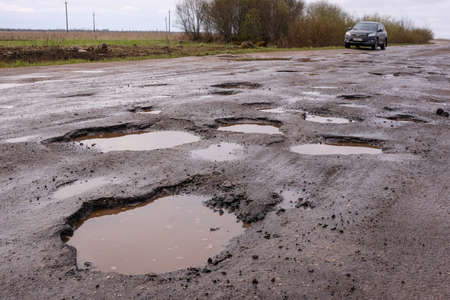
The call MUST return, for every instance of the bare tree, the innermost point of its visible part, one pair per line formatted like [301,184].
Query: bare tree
[190,16]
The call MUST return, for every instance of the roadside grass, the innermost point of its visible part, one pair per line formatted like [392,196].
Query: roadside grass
[189,49]
[94,42]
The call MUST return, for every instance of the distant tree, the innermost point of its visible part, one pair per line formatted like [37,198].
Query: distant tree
[190,15]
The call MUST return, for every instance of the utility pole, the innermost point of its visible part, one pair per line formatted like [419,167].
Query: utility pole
[169,20]
[67,18]
[167,36]
[93,21]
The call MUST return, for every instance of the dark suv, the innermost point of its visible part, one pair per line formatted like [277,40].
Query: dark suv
[371,34]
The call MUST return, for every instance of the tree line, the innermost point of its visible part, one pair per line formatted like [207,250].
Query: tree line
[284,23]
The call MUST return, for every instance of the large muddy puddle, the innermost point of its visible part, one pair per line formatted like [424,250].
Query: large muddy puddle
[326,120]
[219,152]
[166,234]
[336,149]
[80,187]
[252,128]
[138,141]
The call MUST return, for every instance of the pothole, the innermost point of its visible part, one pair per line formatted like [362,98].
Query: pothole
[237,85]
[251,128]
[138,141]
[153,85]
[287,71]
[219,152]
[277,110]
[162,235]
[307,59]
[353,105]
[76,95]
[224,93]
[405,118]
[79,187]
[355,96]
[257,104]
[343,148]
[326,120]
[145,110]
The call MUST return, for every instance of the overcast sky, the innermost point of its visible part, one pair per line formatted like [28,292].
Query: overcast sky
[150,14]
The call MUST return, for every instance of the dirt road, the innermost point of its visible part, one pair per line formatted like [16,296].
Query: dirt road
[362,226]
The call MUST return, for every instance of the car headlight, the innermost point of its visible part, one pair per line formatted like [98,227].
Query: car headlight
[348,34]
[373,34]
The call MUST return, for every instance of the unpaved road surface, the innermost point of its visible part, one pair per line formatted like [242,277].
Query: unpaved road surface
[365,227]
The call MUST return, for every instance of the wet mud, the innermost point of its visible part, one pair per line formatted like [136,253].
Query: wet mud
[366,221]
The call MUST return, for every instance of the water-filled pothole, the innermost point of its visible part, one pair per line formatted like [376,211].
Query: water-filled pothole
[219,152]
[138,141]
[224,92]
[237,85]
[326,120]
[336,149]
[405,118]
[277,110]
[162,235]
[354,96]
[252,128]
[353,105]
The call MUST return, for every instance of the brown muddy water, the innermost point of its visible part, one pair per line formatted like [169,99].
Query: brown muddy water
[336,149]
[139,141]
[219,152]
[251,128]
[167,234]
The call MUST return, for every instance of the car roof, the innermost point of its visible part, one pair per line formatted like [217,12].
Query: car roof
[369,22]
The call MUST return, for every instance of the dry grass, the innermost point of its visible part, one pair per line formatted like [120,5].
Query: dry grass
[33,35]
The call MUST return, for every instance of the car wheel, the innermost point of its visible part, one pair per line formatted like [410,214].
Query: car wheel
[383,46]
[347,45]
[374,47]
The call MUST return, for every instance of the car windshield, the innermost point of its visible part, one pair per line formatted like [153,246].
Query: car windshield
[366,26]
